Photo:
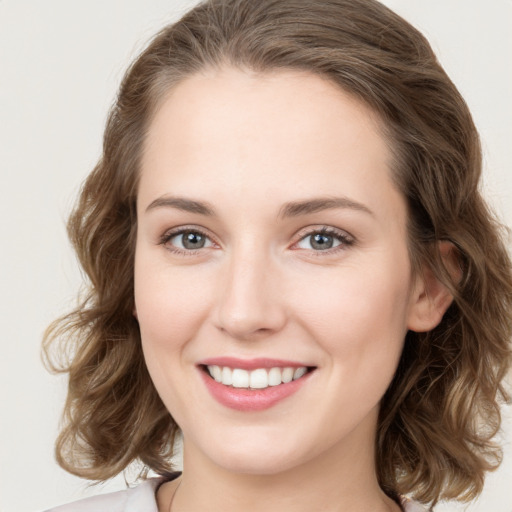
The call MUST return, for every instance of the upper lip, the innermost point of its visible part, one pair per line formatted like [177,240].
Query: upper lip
[251,364]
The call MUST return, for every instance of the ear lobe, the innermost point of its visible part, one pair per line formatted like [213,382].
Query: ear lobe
[431,298]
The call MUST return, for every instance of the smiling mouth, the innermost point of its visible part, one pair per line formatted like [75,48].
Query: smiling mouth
[260,378]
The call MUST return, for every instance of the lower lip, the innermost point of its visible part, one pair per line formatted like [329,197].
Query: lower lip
[242,399]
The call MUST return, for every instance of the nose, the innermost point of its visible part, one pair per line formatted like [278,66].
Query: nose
[250,303]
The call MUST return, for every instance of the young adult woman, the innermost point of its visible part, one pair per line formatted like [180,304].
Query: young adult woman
[290,266]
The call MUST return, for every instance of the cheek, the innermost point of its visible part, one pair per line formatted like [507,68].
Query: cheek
[171,304]
[358,315]
[360,325]
[171,307]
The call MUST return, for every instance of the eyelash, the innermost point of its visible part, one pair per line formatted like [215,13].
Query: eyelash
[344,238]
[168,235]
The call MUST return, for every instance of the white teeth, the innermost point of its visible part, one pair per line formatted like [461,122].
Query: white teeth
[299,372]
[287,374]
[227,376]
[258,379]
[216,373]
[255,379]
[240,378]
[274,377]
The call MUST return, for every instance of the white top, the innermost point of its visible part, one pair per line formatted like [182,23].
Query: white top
[142,499]
[136,499]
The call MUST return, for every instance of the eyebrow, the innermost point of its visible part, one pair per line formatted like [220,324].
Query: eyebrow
[182,203]
[290,209]
[297,208]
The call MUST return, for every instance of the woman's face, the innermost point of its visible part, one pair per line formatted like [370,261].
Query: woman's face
[270,236]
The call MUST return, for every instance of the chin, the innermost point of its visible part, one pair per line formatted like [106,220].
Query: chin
[256,453]
[260,464]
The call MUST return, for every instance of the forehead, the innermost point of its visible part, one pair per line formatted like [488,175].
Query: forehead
[221,106]
[289,132]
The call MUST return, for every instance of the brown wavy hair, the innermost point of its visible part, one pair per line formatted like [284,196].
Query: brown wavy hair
[442,410]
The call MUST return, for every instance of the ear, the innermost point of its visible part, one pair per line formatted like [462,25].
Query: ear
[431,298]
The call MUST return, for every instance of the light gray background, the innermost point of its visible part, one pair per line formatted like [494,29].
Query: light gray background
[60,64]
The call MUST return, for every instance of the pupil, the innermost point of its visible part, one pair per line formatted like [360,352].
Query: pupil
[322,241]
[193,240]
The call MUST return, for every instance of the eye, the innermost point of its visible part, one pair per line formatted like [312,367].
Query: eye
[186,240]
[325,239]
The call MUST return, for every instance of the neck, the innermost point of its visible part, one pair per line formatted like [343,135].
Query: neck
[340,480]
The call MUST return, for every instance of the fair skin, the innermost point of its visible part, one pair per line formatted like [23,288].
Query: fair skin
[253,277]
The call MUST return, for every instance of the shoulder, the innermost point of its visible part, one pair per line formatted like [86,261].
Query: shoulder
[413,506]
[137,499]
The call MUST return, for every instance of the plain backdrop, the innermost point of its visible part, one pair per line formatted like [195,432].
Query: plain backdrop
[60,64]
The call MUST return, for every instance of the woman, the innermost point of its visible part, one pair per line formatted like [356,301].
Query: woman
[290,265]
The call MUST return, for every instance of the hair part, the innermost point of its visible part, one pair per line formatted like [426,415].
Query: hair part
[441,412]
